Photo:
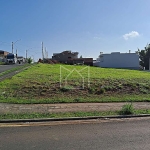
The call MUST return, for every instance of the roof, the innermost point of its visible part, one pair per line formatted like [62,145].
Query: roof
[3,51]
[66,52]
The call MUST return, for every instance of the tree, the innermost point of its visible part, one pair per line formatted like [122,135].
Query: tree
[144,56]
[29,60]
[81,56]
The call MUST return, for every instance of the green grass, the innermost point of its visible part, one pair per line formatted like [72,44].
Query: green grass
[54,115]
[127,109]
[75,99]
[2,63]
[41,84]
[67,114]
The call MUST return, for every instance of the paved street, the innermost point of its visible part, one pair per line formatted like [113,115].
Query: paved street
[7,67]
[125,134]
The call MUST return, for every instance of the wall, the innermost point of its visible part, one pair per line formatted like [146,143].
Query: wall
[85,61]
[3,53]
[119,60]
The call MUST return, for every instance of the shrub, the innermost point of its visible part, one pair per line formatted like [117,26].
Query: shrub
[127,109]
[29,60]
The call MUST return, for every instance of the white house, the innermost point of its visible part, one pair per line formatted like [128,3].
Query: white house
[118,60]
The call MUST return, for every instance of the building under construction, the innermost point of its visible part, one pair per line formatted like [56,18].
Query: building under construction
[71,58]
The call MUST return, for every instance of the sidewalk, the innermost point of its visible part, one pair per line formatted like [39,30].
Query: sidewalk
[67,107]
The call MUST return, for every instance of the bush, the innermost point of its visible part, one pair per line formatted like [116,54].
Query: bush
[127,109]
[29,60]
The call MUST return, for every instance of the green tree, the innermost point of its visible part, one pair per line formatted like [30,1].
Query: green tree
[29,60]
[144,56]
[81,56]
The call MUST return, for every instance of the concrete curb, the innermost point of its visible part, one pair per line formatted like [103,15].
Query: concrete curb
[71,118]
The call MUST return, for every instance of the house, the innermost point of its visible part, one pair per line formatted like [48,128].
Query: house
[118,60]
[64,56]
[3,55]
[71,58]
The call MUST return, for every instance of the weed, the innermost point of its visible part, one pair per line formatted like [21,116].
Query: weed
[91,90]
[127,109]
[102,90]
[109,87]
[65,88]
[77,100]
[144,91]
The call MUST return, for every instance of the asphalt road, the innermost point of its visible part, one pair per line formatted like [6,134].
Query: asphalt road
[7,67]
[108,135]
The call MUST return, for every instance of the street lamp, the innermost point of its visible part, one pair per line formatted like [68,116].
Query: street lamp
[13,45]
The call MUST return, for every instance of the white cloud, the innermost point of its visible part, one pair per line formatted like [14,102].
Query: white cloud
[132,34]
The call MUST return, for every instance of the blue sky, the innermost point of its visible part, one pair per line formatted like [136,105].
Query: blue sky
[86,26]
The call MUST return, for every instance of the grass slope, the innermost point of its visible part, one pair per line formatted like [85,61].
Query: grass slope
[45,83]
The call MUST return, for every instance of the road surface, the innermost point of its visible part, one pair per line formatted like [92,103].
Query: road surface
[7,67]
[126,134]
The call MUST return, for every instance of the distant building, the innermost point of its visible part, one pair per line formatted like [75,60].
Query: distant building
[118,60]
[3,55]
[81,61]
[71,58]
[65,56]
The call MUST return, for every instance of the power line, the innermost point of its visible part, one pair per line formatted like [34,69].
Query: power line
[13,45]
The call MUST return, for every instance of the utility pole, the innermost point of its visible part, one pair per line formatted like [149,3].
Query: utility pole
[45,53]
[12,47]
[16,53]
[26,54]
[42,52]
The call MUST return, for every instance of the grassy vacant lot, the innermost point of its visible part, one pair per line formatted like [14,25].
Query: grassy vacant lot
[45,83]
